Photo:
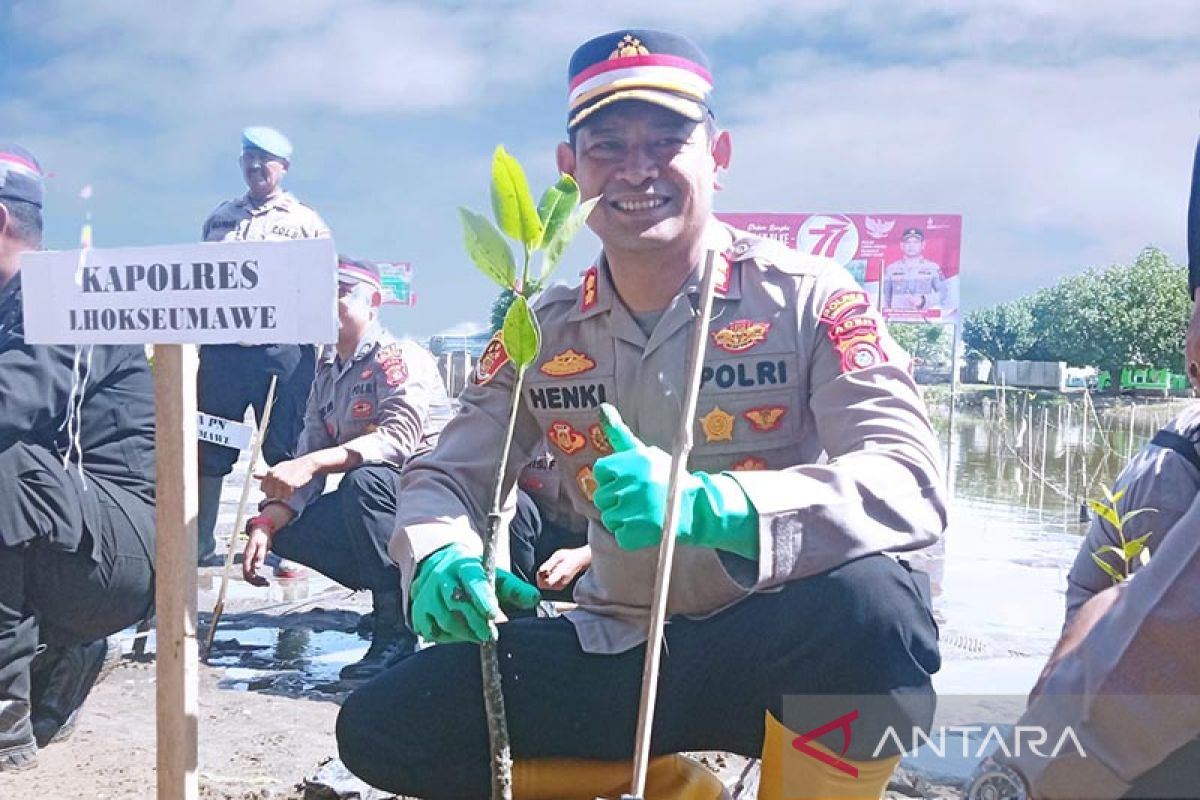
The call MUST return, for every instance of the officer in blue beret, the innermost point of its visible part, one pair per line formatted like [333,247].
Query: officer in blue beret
[77,529]
[232,377]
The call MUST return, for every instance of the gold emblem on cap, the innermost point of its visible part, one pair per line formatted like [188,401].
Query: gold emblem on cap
[629,46]
[717,425]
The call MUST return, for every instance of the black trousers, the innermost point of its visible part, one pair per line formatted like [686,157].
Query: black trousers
[862,629]
[344,534]
[60,586]
[232,378]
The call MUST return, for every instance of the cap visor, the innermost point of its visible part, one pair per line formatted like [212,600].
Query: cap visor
[684,107]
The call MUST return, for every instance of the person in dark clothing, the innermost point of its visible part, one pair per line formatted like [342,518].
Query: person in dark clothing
[77,475]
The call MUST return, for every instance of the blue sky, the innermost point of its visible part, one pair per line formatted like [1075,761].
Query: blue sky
[1061,131]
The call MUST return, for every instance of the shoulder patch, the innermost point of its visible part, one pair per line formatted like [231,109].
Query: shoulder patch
[493,357]
[844,303]
[391,360]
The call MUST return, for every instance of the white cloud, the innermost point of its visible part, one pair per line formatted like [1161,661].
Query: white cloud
[1062,131]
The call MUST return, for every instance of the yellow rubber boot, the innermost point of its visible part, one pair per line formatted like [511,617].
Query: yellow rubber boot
[789,773]
[672,777]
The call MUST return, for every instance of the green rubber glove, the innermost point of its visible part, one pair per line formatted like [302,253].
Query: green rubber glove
[631,496]
[452,602]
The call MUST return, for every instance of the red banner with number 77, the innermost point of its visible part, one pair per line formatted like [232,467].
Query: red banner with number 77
[907,263]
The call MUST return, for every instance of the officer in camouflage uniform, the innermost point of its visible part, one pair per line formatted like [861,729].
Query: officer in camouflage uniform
[914,283]
[77,522]
[234,377]
[376,403]
[814,456]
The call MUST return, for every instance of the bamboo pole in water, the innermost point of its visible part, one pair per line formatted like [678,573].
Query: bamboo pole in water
[1067,453]
[1045,447]
[1129,440]
[1083,445]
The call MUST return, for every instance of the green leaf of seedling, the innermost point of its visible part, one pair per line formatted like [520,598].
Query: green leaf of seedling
[563,236]
[1125,519]
[1114,498]
[522,339]
[1111,548]
[1105,512]
[1131,549]
[511,201]
[555,206]
[1108,568]
[487,248]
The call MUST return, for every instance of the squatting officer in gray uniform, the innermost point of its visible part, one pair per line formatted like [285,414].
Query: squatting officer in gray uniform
[376,403]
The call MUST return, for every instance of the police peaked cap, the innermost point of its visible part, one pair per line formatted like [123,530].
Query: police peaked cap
[666,69]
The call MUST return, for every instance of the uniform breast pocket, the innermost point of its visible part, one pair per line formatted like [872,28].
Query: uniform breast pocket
[749,413]
[568,412]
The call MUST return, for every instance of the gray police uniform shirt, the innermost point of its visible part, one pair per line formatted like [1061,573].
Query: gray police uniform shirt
[387,403]
[913,285]
[1130,693]
[798,366]
[280,218]
[1157,478]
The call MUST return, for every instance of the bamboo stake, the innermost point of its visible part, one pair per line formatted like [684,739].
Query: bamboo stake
[175,669]
[666,549]
[1045,447]
[1129,439]
[1067,454]
[255,449]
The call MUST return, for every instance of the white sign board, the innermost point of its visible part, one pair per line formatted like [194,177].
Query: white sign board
[203,293]
[224,432]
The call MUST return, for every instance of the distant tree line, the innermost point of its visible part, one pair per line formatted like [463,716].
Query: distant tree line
[1125,314]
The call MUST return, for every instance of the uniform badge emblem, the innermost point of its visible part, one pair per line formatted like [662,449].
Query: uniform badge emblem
[717,425]
[853,327]
[366,373]
[765,418]
[749,464]
[860,354]
[741,335]
[586,482]
[724,275]
[589,292]
[628,47]
[568,362]
[600,439]
[493,357]
[844,303]
[361,409]
[391,360]
[396,374]
[566,438]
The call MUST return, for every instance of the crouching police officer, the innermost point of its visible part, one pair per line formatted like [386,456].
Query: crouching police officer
[814,456]
[77,519]
[376,402]
[233,377]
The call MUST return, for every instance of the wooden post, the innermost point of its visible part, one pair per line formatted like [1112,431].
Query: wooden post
[176,666]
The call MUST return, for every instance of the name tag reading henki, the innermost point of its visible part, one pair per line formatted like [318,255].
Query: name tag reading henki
[203,293]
